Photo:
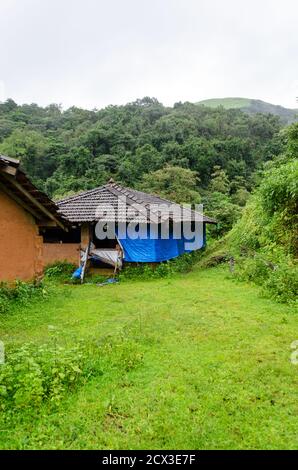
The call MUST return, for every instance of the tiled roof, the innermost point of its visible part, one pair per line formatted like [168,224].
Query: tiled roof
[9,161]
[108,200]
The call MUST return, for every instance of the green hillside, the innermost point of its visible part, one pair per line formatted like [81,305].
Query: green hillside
[227,103]
[253,106]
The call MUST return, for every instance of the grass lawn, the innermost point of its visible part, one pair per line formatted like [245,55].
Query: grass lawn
[213,368]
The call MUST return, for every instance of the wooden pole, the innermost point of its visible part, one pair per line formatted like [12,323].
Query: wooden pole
[86,257]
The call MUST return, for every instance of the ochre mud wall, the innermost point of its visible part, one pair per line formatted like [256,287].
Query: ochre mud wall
[20,244]
[52,252]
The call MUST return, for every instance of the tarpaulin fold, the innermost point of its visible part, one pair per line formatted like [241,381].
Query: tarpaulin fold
[146,250]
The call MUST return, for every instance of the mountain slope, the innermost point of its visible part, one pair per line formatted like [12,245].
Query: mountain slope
[253,106]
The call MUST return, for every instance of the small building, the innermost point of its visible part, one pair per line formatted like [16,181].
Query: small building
[107,214]
[24,213]
[101,228]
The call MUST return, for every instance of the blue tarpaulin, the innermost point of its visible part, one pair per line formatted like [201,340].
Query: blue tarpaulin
[77,273]
[154,250]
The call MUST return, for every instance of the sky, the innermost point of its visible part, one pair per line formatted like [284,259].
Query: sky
[93,53]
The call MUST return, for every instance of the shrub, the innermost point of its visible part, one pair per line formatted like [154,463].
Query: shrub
[181,264]
[33,374]
[21,294]
[282,283]
[278,276]
[252,269]
[61,271]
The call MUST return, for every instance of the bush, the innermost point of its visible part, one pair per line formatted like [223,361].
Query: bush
[33,374]
[252,269]
[181,264]
[279,189]
[21,294]
[282,283]
[279,279]
[60,271]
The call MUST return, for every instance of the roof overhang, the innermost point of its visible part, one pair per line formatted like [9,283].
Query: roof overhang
[17,185]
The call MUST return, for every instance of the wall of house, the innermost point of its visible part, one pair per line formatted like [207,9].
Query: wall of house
[52,252]
[20,244]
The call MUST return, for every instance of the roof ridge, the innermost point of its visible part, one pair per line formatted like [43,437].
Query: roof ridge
[127,192]
[172,202]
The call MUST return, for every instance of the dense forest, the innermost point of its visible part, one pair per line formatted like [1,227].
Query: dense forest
[208,155]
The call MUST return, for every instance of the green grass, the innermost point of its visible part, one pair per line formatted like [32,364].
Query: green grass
[227,103]
[215,370]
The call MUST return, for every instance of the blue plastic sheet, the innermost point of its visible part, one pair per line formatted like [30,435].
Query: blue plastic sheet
[155,250]
[77,273]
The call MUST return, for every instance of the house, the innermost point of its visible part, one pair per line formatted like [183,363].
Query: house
[119,224]
[24,213]
[100,228]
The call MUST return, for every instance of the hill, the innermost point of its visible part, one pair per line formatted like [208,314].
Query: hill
[253,106]
[66,151]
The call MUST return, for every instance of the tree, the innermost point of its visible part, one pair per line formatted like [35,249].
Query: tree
[147,159]
[173,183]
[225,212]
[219,181]
[31,148]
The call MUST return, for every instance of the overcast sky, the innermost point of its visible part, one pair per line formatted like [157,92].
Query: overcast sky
[92,53]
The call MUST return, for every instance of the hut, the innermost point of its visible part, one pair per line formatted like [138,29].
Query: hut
[122,225]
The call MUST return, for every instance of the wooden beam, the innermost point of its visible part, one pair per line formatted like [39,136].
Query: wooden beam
[33,200]
[47,223]
[10,170]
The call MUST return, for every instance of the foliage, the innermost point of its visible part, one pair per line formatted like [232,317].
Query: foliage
[219,181]
[21,293]
[225,212]
[173,183]
[34,374]
[270,218]
[265,239]
[279,190]
[76,149]
[181,264]
[186,153]
[279,279]
[61,271]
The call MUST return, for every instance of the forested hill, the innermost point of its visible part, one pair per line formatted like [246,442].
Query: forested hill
[77,149]
[286,115]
